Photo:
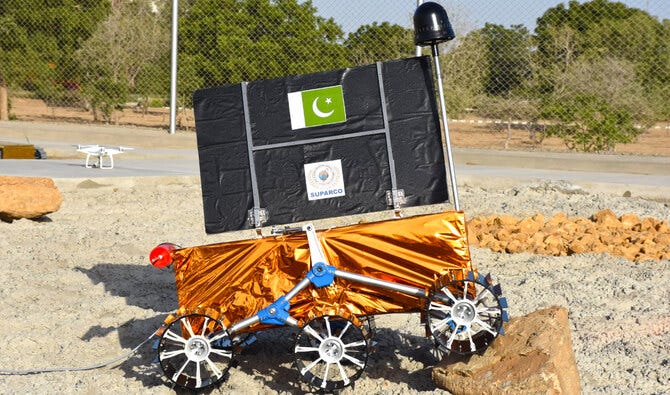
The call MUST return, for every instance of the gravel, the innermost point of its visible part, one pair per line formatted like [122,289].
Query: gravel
[77,291]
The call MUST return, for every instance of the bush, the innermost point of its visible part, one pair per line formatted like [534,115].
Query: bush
[591,124]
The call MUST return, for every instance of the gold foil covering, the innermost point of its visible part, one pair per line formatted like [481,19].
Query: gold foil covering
[238,279]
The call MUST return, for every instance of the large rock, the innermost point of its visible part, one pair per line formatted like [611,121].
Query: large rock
[535,356]
[27,197]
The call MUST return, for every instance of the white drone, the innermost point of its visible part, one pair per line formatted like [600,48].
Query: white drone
[100,152]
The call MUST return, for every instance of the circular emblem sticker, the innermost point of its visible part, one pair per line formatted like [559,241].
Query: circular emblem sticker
[324,180]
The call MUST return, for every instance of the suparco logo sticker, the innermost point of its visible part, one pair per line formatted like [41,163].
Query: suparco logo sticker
[324,180]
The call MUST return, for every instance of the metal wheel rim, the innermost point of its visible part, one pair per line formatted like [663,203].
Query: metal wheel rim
[195,351]
[464,316]
[331,352]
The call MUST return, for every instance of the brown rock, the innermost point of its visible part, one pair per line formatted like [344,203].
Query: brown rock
[631,221]
[557,220]
[662,239]
[534,357]
[515,247]
[578,246]
[529,225]
[27,197]
[539,218]
[648,224]
[607,218]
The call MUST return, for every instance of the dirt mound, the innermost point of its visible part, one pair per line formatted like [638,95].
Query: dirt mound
[627,236]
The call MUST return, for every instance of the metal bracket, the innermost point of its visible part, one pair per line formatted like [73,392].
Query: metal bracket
[321,275]
[276,313]
[257,217]
[396,198]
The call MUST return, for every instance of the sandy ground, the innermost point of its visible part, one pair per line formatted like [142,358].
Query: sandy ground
[77,290]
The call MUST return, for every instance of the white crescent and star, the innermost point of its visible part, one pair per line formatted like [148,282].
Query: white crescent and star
[320,113]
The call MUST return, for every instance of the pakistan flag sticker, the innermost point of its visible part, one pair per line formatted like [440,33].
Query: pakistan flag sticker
[316,107]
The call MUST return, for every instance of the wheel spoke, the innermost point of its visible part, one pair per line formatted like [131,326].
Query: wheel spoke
[218,336]
[198,375]
[451,338]
[343,374]
[439,306]
[179,372]
[451,296]
[215,369]
[356,344]
[325,375]
[330,333]
[173,336]
[355,361]
[222,352]
[344,330]
[481,295]
[204,326]
[189,328]
[465,289]
[309,330]
[172,354]
[306,349]
[442,323]
[310,366]
[485,326]
[473,348]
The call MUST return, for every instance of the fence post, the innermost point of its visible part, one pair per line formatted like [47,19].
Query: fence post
[173,67]
[418,47]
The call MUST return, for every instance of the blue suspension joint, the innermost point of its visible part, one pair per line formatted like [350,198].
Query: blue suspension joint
[276,313]
[321,275]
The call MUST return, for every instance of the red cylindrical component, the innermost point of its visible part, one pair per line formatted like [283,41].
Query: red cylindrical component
[161,255]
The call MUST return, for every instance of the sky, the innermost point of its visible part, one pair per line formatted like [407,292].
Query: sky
[465,15]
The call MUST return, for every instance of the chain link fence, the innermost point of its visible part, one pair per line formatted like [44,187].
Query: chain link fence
[592,74]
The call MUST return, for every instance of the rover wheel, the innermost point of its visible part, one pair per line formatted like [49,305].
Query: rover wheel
[331,352]
[465,316]
[195,351]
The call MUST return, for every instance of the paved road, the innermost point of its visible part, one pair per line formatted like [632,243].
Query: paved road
[160,154]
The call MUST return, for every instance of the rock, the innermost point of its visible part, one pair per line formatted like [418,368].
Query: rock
[534,357]
[27,197]
[631,221]
[627,236]
[606,218]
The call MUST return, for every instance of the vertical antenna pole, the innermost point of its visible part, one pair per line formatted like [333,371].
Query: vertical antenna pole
[445,128]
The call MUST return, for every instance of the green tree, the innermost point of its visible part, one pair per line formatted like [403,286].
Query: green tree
[242,40]
[508,58]
[379,42]
[15,49]
[602,29]
[130,42]
[599,105]
[44,64]
[464,71]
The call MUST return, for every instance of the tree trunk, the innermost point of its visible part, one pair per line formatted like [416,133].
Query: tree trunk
[4,103]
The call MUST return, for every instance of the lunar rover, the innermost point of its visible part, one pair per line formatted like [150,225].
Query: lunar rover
[371,145]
